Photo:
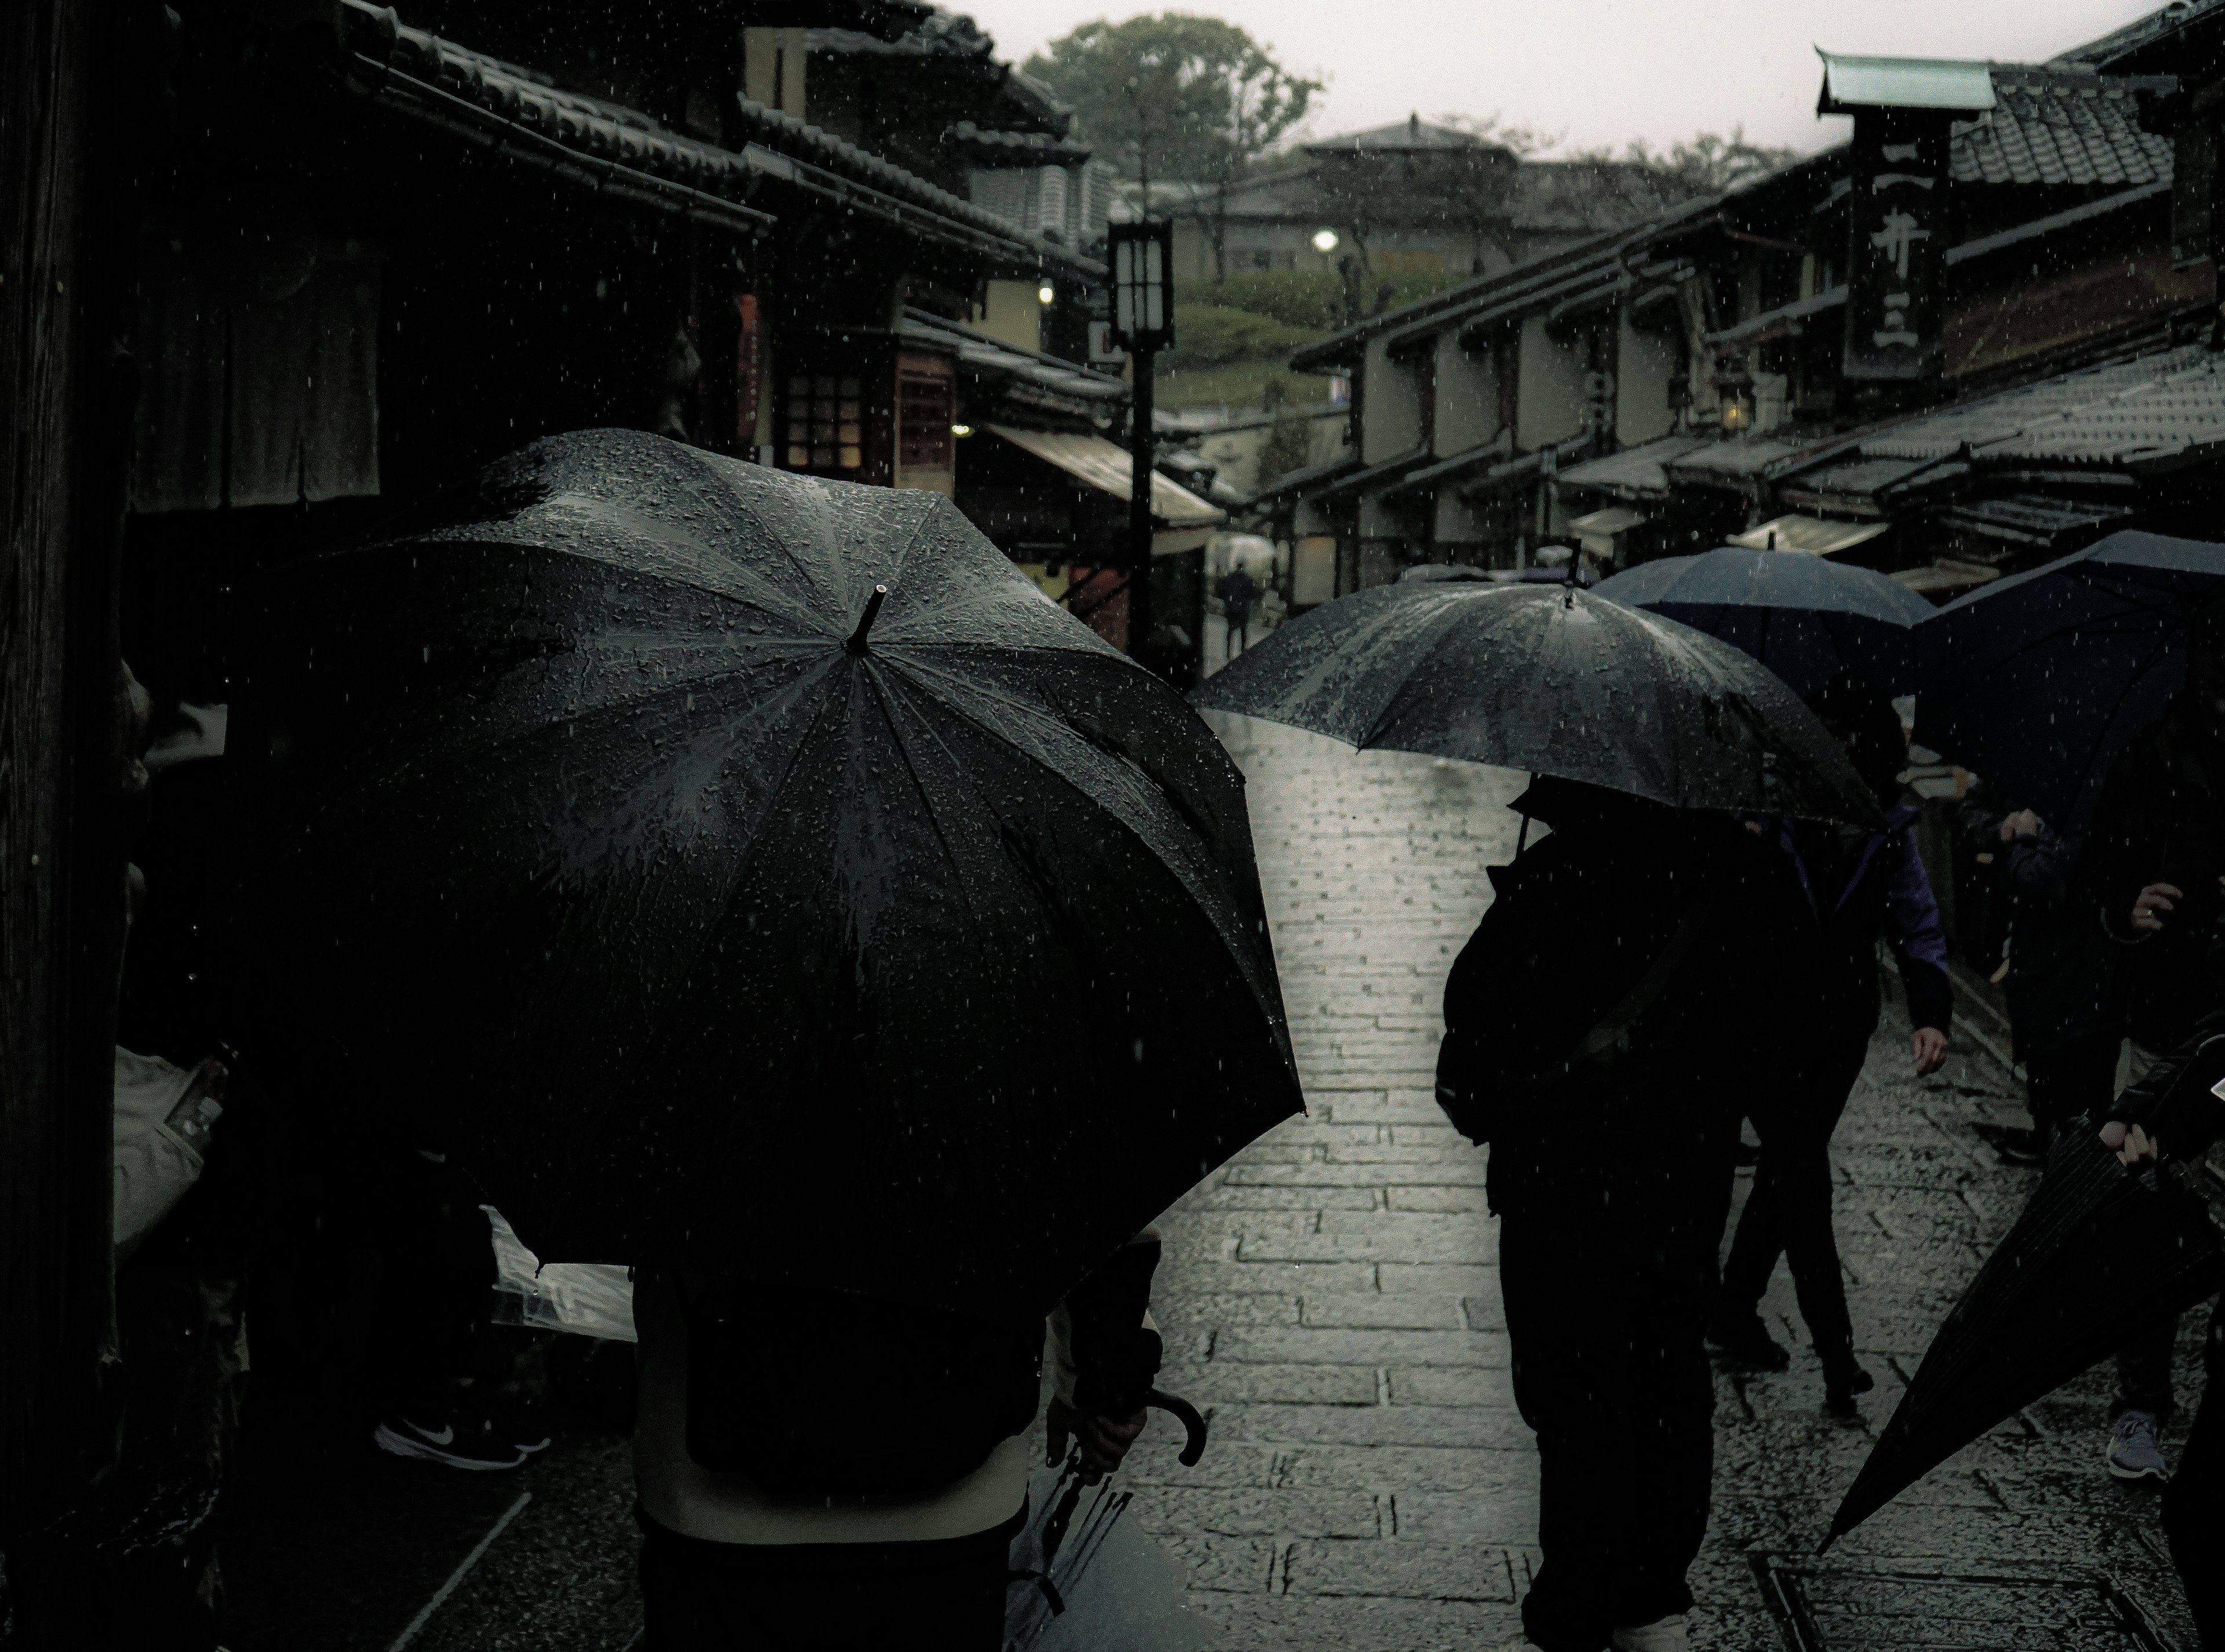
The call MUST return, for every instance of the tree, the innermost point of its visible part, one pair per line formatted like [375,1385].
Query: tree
[1189,100]
[1704,164]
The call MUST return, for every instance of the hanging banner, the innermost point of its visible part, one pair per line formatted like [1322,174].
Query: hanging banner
[1896,244]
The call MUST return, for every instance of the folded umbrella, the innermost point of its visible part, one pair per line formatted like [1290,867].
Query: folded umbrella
[1552,679]
[2096,641]
[757,875]
[2100,1254]
[1806,618]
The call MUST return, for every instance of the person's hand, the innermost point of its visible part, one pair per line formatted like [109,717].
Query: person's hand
[1104,1441]
[2131,1144]
[2154,901]
[2023,823]
[1929,1047]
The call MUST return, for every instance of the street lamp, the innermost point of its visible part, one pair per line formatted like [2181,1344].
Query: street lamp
[1142,257]
[1046,293]
[1324,241]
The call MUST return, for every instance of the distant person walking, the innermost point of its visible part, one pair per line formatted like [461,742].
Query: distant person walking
[1836,890]
[1239,594]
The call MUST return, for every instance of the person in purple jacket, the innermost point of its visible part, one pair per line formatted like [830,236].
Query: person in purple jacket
[1841,888]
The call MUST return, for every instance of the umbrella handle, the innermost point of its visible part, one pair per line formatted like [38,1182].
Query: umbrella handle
[1193,1425]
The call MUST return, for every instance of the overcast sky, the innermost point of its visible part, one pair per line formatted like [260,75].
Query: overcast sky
[1599,71]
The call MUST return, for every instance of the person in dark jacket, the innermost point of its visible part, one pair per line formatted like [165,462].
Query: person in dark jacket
[1593,1022]
[1239,594]
[1836,889]
[2065,981]
[2154,881]
[2194,1503]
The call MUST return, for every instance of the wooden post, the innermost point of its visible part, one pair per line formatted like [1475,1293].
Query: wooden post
[64,241]
[1142,454]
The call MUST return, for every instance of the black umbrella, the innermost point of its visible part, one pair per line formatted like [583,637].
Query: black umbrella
[1555,680]
[2100,1254]
[2037,681]
[1806,618]
[754,876]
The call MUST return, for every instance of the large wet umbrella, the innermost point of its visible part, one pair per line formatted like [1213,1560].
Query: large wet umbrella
[2037,681]
[1806,618]
[1555,680]
[726,913]
[2100,1254]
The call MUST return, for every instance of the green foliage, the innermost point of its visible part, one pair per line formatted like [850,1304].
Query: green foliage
[1310,298]
[1287,447]
[1239,384]
[1173,97]
[1212,335]
[1705,164]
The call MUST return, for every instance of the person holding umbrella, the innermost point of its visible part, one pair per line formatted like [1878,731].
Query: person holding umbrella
[711,830]
[1595,1022]
[2158,878]
[1836,892]
[2194,1503]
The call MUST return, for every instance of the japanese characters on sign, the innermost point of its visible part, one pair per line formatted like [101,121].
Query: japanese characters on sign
[1896,244]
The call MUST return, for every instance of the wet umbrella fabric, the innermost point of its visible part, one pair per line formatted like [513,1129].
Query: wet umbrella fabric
[2100,1255]
[1552,679]
[718,932]
[2096,639]
[1806,618]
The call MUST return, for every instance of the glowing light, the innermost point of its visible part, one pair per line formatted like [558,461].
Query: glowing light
[1046,293]
[961,430]
[1324,240]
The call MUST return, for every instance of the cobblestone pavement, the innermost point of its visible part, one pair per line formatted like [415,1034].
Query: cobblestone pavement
[1332,1296]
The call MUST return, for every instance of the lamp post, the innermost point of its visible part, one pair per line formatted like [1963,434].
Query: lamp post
[1141,255]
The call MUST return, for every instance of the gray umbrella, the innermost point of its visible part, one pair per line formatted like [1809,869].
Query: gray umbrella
[1554,680]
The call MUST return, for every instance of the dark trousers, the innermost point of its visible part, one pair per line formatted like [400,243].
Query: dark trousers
[2074,1080]
[1789,1212]
[1606,1265]
[944,1596]
[1239,636]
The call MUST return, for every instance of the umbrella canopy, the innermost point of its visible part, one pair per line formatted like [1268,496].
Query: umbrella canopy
[732,917]
[1806,618]
[2096,640]
[1553,679]
[2100,1255]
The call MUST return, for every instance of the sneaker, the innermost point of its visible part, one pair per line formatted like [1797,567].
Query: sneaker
[1747,1341]
[1667,1635]
[2135,1452]
[458,1442]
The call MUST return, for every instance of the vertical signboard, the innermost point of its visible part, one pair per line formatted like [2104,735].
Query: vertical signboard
[1896,244]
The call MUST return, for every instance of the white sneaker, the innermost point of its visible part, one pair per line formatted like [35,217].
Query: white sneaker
[1669,1634]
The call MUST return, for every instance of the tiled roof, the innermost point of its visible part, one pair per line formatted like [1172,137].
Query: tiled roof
[1636,471]
[787,135]
[2135,37]
[2062,126]
[439,80]
[2152,412]
[1020,370]
[988,149]
[1412,133]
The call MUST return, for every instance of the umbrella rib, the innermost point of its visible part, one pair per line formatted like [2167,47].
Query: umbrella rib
[1054,725]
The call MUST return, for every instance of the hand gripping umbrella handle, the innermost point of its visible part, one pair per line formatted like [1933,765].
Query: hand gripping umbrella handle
[1186,1414]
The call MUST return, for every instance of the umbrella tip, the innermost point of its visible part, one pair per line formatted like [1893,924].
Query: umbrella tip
[856,643]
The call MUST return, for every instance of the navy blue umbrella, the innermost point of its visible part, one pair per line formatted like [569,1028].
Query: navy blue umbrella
[1803,617]
[2037,681]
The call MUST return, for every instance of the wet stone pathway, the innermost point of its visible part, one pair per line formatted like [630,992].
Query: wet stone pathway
[1331,1296]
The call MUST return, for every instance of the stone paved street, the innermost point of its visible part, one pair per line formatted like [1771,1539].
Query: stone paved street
[1332,1296]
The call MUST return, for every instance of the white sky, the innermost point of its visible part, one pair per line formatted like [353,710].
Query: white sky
[1601,71]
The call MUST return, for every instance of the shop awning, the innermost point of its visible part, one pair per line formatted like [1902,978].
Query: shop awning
[1598,530]
[1817,536]
[1104,466]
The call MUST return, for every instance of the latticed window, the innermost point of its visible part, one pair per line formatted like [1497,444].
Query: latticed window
[825,423]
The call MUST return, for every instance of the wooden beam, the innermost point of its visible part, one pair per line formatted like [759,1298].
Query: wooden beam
[61,458]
